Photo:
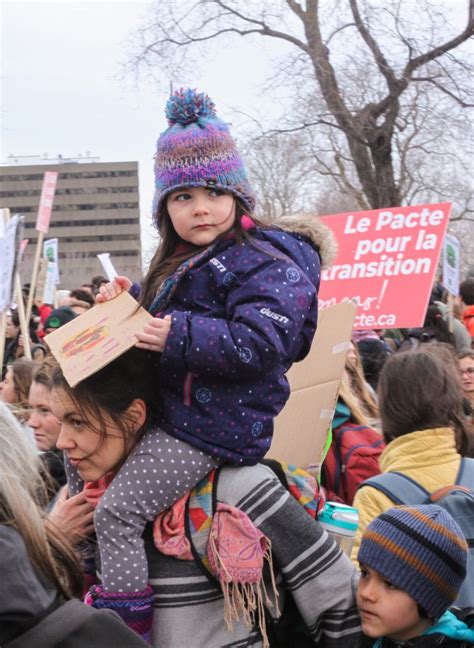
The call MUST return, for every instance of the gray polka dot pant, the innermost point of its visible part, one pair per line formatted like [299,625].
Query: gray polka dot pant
[158,471]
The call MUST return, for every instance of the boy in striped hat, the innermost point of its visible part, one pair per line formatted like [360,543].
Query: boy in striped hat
[413,562]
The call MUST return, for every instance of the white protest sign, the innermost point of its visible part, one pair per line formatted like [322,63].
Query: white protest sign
[50,284]
[108,266]
[451,263]
[7,259]
[50,252]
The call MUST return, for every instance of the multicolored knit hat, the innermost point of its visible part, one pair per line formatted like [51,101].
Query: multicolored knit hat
[197,150]
[419,549]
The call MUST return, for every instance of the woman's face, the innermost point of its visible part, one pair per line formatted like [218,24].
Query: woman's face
[351,358]
[467,376]
[8,388]
[43,422]
[11,329]
[91,455]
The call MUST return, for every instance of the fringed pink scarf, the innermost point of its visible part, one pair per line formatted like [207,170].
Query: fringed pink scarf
[236,554]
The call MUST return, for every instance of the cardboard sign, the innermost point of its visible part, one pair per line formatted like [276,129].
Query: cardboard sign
[97,337]
[451,264]
[46,201]
[301,427]
[108,266]
[386,263]
[41,280]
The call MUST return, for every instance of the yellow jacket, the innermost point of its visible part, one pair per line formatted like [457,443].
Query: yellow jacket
[427,456]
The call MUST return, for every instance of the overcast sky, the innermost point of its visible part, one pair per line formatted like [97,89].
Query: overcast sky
[63,91]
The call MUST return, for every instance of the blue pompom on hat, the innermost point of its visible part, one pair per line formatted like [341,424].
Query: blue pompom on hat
[419,549]
[197,150]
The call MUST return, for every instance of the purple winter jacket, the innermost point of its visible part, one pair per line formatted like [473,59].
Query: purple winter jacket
[240,317]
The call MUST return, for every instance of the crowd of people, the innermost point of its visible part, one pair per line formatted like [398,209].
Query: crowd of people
[137,508]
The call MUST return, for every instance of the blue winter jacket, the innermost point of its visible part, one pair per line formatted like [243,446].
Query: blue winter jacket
[240,317]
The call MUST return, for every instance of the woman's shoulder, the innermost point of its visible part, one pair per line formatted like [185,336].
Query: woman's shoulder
[237,482]
[74,624]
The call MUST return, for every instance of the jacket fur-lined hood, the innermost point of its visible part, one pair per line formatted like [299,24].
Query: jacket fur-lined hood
[320,235]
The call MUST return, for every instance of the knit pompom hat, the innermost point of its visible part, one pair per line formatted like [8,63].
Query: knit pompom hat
[197,150]
[419,549]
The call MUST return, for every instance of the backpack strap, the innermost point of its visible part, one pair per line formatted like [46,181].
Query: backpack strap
[398,487]
[466,473]
[277,468]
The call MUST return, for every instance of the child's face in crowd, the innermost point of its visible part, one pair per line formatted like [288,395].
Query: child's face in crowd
[8,388]
[387,611]
[199,215]
[43,422]
[92,455]
[467,371]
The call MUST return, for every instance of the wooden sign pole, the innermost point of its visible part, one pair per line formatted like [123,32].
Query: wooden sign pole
[34,275]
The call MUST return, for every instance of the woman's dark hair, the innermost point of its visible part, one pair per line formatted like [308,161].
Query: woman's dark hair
[82,295]
[167,258]
[420,390]
[111,391]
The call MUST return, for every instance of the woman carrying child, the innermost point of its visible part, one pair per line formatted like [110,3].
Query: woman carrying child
[234,305]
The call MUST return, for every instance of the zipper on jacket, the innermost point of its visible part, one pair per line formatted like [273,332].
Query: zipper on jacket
[187,388]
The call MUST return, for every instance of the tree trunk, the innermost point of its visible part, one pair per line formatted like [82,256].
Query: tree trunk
[388,194]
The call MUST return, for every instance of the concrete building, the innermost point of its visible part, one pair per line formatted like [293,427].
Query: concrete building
[95,210]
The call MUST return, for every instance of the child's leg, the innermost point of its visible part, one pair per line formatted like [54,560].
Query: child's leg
[158,471]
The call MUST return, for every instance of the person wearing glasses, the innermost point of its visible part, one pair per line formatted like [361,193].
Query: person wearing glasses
[466,364]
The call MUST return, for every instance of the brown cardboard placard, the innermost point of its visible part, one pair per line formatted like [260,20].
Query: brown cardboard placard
[41,279]
[301,427]
[98,336]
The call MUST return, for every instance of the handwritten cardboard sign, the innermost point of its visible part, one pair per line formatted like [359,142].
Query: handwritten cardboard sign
[95,338]
[302,425]
[386,262]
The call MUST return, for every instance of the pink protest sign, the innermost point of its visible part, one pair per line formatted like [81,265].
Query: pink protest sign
[46,201]
[386,263]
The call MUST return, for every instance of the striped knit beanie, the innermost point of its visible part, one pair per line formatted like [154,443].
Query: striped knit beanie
[197,150]
[419,549]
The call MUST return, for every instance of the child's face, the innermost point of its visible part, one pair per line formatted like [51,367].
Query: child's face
[385,610]
[199,215]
